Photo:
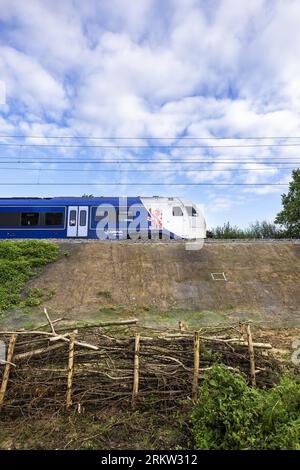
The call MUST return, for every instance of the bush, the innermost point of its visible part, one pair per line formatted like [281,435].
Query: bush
[227,231]
[256,229]
[229,415]
[19,261]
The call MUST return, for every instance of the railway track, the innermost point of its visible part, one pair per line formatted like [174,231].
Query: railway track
[168,241]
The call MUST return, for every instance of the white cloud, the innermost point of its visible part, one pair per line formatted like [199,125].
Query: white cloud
[30,84]
[50,31]
[146,65]
[119,68]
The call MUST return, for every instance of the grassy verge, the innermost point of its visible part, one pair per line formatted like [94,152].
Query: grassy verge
[19,262]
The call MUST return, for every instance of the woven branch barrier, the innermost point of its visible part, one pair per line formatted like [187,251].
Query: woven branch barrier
[55,371]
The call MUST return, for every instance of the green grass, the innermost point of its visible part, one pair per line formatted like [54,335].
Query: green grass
[19,262]
[152,317]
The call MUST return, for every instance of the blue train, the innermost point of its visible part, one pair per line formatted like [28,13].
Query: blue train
[101,217]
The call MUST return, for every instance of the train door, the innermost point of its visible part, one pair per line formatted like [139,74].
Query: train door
[78,221]
[177,220]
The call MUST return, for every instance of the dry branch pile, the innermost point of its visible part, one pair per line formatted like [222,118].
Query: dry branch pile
[97,368]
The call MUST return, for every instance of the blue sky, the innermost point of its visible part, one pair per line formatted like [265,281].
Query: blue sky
[157,69]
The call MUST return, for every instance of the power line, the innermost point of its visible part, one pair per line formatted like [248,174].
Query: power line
[181,162]
[165,156]
[118,183]
[143,171]
[78,137]
[117,146]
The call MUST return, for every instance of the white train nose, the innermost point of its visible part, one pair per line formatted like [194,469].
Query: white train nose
[180,217]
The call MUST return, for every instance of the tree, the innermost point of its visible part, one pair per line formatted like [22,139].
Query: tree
[264,229]
[256,229]
[227,231]
[290,214]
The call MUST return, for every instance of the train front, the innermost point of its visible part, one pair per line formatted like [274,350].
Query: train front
[194,221]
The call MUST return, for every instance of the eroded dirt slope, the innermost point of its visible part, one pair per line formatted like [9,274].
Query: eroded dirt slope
[263,280]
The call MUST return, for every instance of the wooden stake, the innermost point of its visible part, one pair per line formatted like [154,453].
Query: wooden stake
[8,365]
[70,370]
[135,389]
[196,365]
[241,333]
[251,356]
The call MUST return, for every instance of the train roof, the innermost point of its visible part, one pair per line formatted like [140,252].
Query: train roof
[69,200]
[85,201]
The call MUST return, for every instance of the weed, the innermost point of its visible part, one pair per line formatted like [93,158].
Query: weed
[104,293]
[230,415]
[19,262]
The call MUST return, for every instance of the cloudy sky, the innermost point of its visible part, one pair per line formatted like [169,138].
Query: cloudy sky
[168,77]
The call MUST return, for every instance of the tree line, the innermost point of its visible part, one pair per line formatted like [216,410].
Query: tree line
[285,225]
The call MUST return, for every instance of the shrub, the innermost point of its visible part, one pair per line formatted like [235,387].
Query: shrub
[229,415]
[256,229]
[19,261]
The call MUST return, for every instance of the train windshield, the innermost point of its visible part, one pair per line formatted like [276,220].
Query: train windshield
[177,211]
[191,211]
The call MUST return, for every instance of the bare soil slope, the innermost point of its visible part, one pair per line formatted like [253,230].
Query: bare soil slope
[263,279]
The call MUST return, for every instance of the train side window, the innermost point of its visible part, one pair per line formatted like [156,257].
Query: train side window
[177,211]
[125,216]
[191,211]
[9,219]
[72,218]
[99,215]
[29,218]
[53,218]
[82,218]
[110,214]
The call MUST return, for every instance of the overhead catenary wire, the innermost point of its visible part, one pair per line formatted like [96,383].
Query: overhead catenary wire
[188,160]
[80,137]
[120,162]
[121,146]
[164,157]
[119,183]
[131,170]
[155,158]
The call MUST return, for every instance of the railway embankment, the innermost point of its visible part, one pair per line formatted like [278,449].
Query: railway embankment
[253,280]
